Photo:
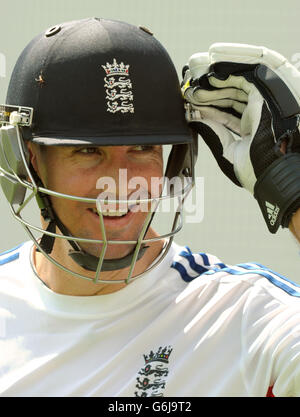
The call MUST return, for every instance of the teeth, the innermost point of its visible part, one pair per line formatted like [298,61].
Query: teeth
[114,213]
[111,213]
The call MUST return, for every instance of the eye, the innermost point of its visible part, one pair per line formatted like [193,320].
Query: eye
[88,150]
[145,148]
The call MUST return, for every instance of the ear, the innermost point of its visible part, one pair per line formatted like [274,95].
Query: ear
[34,154]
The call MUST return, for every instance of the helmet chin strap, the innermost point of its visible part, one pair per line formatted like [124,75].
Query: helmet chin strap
[81,257]
[90,262]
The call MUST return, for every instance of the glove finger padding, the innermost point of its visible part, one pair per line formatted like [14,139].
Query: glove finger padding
[281,102]
[222,117]
[201,96]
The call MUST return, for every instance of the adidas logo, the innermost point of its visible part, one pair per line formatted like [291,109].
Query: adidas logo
[273,212]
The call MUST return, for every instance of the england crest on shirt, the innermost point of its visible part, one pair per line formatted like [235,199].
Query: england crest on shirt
[152,378]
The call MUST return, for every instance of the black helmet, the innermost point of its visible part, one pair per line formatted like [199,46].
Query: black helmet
[101,82]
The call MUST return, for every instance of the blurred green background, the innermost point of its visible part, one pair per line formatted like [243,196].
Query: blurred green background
[232,228]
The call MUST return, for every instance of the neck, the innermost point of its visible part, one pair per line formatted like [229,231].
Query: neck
[63,282]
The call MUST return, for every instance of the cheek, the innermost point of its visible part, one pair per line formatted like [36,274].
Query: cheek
[73,182]
[153,168]
[146,183]
[155,178]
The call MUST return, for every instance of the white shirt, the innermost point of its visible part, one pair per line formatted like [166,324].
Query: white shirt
[230,331]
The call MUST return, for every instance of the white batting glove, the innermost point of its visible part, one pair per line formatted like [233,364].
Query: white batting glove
[245,102]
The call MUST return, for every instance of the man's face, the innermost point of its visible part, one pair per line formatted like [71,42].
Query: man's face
[79,171]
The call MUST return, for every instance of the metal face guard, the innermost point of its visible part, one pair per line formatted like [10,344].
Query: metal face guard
[17,180]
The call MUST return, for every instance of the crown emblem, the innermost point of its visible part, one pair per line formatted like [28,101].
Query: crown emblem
[162,355]
[115,68]
[118,88]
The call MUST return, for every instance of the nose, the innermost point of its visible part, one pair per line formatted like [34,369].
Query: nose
[116,171]
[114,183]
[116,158]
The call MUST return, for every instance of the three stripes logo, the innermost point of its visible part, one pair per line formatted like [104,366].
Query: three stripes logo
[272,212]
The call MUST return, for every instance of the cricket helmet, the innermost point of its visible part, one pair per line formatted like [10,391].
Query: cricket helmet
[93,82]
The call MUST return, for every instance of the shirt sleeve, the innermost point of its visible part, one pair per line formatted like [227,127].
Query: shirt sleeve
[271,338]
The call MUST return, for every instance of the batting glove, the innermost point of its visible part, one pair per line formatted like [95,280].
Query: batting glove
[245,103]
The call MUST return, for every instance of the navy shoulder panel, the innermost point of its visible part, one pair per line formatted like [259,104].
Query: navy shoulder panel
[191,265]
